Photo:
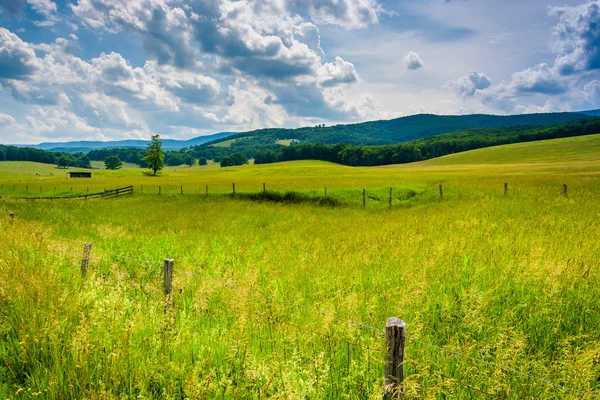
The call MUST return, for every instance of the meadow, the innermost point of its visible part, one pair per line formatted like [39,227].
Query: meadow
[274,299]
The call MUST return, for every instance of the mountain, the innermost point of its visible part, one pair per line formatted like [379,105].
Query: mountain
[168,144]
[403,129]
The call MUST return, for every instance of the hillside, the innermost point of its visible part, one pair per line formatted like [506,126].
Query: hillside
[565,150]
[426,148]
[371,133]
[400,129]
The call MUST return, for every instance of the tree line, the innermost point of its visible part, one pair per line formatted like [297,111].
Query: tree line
[62,159]
[424,149]
[266,150]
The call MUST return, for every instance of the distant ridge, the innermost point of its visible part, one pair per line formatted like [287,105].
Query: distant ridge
[382,132]
[85,146]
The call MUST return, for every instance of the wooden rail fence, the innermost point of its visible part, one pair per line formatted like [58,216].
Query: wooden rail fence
[106,194]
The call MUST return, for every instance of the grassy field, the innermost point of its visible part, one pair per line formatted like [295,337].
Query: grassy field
[279,300]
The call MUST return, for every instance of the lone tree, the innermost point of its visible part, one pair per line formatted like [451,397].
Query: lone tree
[112,162]
[155,156]
[189,160]
[63,162]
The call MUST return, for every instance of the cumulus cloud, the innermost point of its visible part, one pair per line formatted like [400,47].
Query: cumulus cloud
[210,63]
[540,79]
[17,58]
[345,13]
[412,61]
[577,38]
[339,72]
[592,93]
[45,8]
[467,86]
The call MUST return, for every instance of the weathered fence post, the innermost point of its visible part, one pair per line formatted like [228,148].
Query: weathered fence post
[168,277]
[505,188]
[264,188]
[14,186]
[325,191]
[168,284]
[391,197]
[565,189]
[85,259]
[441,192]
[364,197]
[87,189]
[233,188]
[395,338]
[207,190]
[12,218]
[71,188]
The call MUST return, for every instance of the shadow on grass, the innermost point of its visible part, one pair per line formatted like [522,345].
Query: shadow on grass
[289,198]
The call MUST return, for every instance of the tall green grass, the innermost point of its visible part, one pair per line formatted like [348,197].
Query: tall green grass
[265,285]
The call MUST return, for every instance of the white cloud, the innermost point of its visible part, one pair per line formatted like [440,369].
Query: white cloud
[339,72]
[47,8]
[412,61]
[467,86]
[577,38]
[348,14]
[6,120]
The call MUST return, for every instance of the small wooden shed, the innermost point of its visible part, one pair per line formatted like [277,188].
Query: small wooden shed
[80,174]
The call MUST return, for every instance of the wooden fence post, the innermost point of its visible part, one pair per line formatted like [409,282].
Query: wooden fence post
[168,284]
[441,192]
[14,186]
[87,189]
[264,188]
[168,277]
[85,259]
[505,188]
[395,339]
[565,189]
[207,190]
[12,218]
[364,197]
[325,191]
[233,188]
[391,197]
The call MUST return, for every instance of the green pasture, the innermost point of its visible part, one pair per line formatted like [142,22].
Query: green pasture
[282,299]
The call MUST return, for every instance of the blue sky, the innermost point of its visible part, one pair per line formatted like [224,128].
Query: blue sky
[116,69]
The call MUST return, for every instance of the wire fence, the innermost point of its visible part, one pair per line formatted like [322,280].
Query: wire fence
[268,296]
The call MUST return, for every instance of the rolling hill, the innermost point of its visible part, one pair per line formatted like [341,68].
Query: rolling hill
[402,129]
[370,133]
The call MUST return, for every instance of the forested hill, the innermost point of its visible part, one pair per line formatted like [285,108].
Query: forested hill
[401,129]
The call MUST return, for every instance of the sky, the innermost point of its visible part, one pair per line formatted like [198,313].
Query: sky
[127,69]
